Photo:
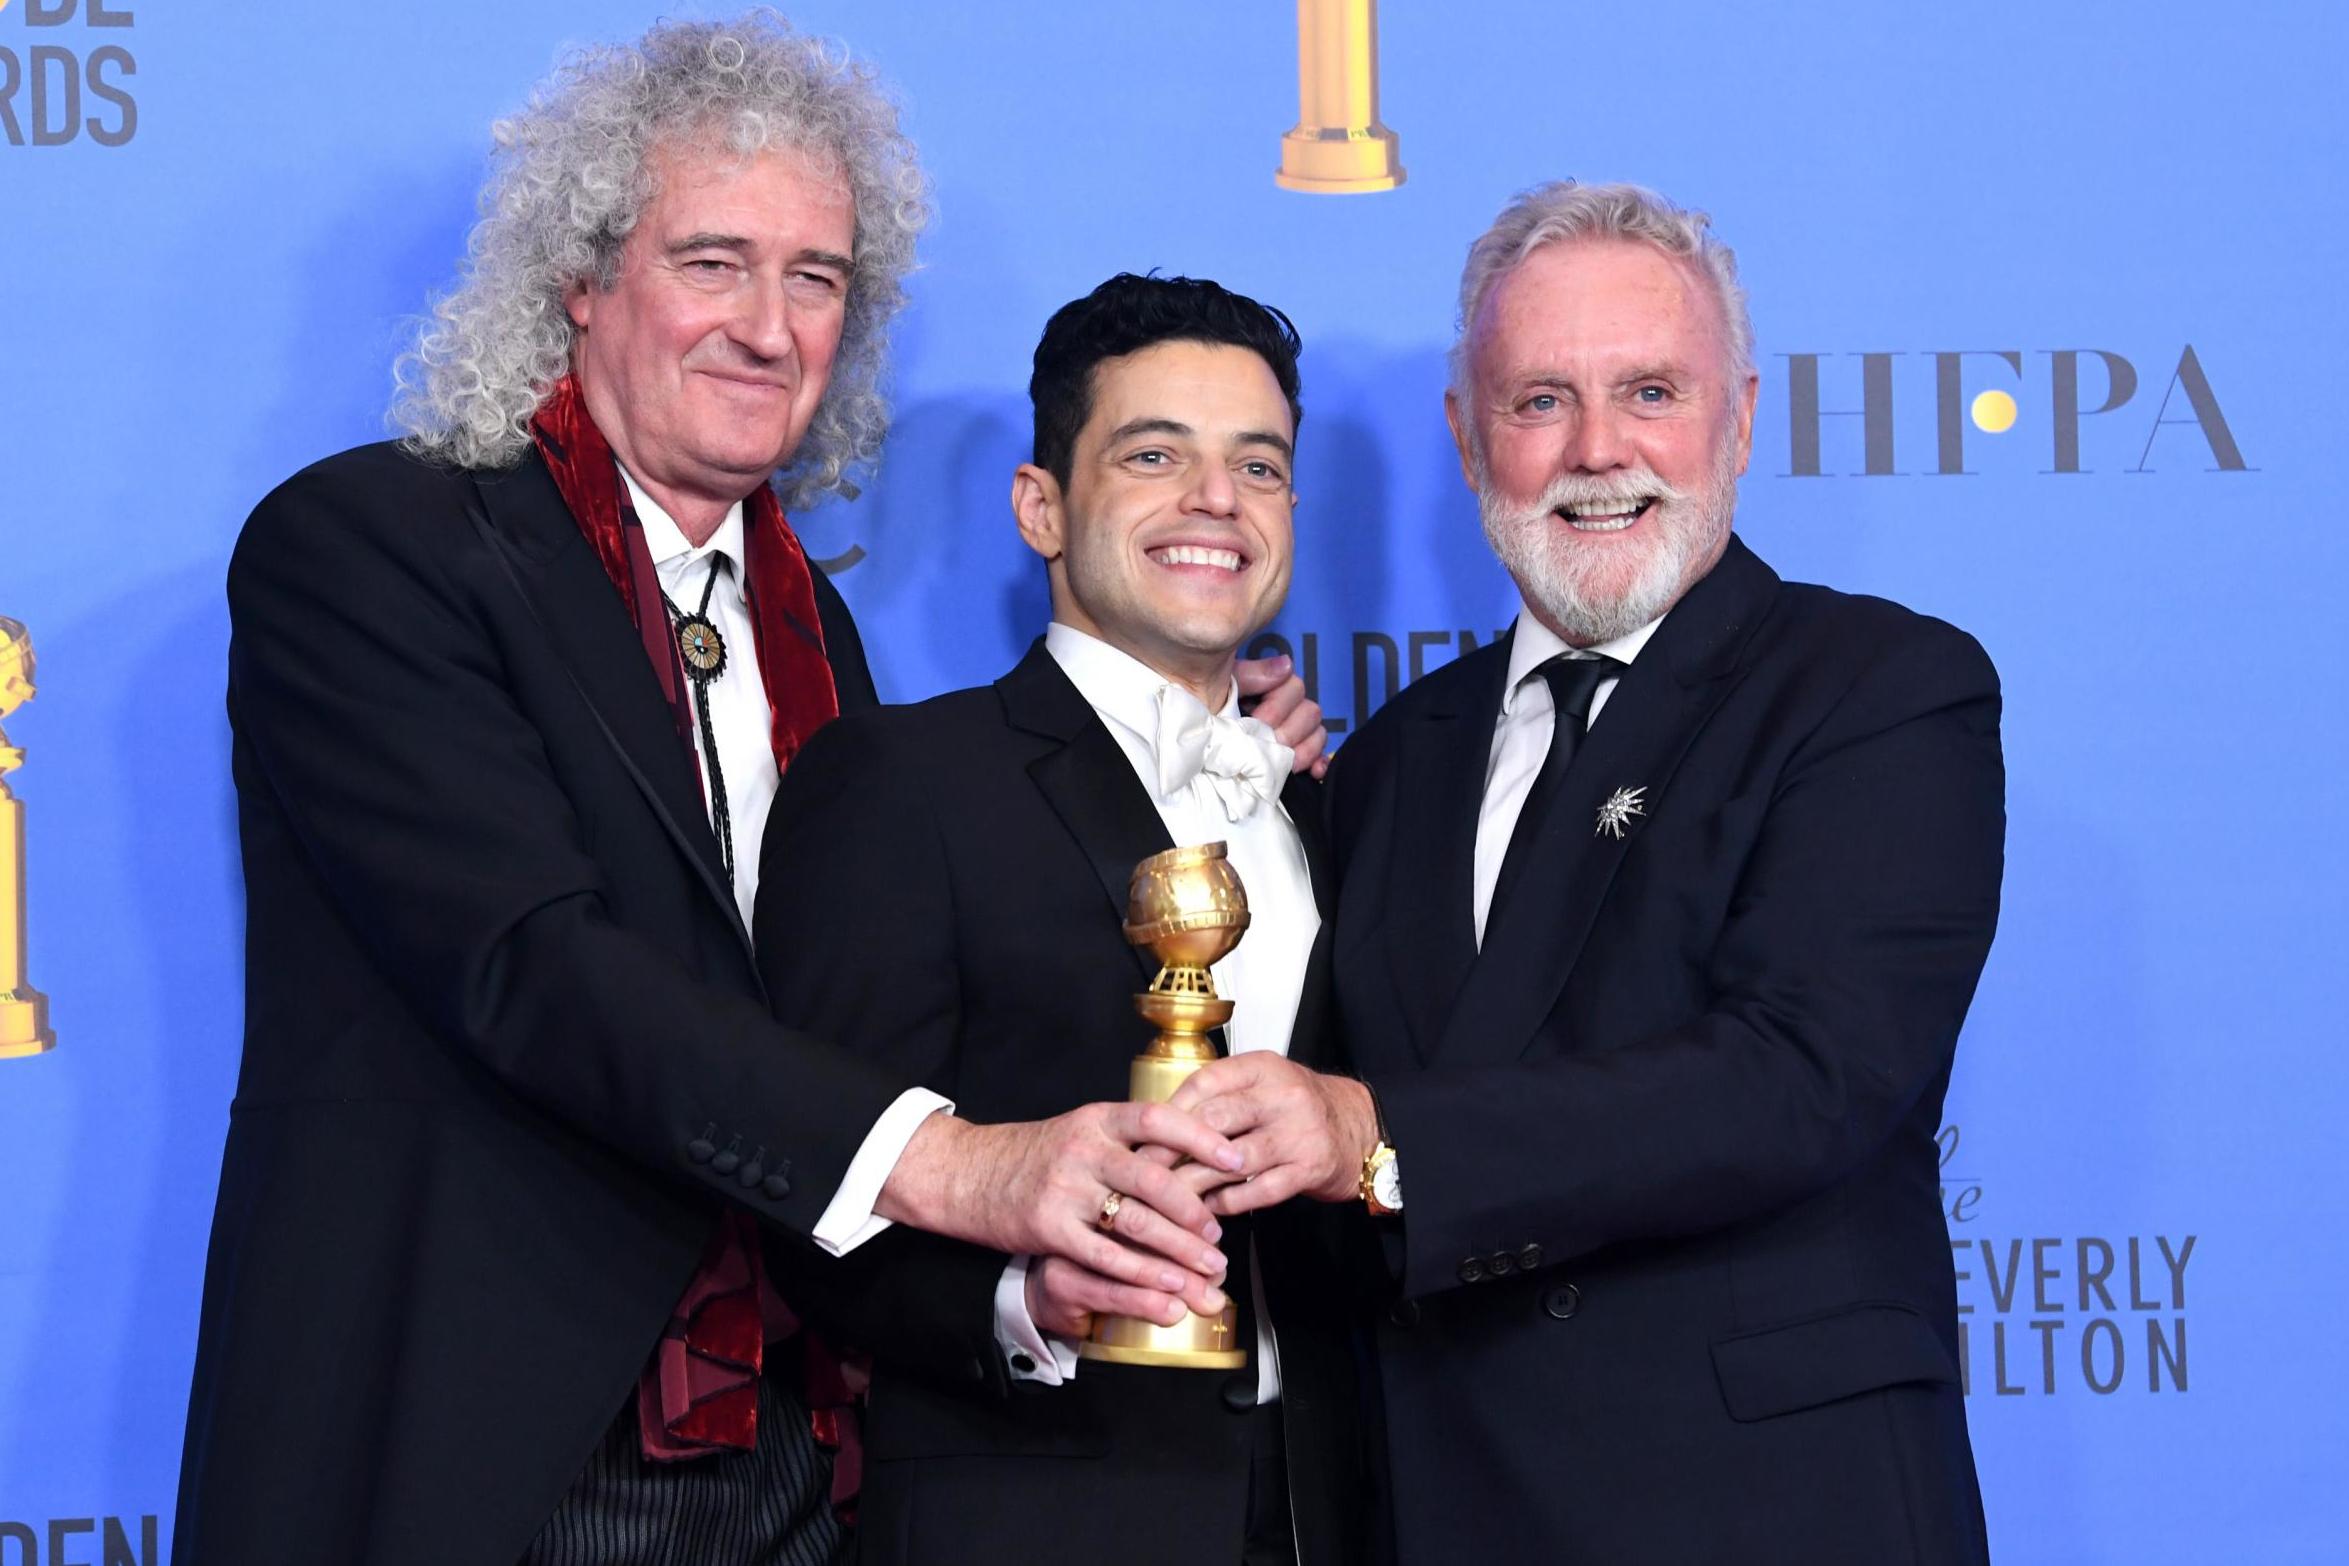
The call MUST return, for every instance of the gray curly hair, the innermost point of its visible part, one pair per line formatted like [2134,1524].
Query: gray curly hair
[573,173]
[1562,210]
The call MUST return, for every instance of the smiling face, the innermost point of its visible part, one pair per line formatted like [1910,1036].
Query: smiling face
[705,360]
[1603,428]
[1171,540]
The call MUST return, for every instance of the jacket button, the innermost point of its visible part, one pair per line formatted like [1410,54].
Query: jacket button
[1404,1313]
[776,1186]
[972,1370]
[1529,1258]
[1502,1264]
[1239,1394]
[1472,1270]
[1562,1301]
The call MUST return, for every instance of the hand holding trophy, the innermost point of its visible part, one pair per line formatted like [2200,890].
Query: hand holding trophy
[24,1011]
[1188,907]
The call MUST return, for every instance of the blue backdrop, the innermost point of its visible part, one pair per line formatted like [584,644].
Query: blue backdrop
[2124,220]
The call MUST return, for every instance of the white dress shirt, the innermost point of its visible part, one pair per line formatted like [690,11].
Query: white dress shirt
[746,756]
[1264,976]
[1521,737]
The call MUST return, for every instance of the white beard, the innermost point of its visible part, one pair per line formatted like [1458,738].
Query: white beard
[1575,584]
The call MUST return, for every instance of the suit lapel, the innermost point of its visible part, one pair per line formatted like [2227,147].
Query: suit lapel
[1086,778]
[1654,713]
[1431,925]
[1301,797]
[525,522]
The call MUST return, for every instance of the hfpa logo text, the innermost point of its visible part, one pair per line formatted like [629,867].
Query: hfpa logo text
[2060,400]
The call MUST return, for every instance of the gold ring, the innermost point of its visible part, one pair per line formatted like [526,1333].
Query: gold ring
[1109,1206]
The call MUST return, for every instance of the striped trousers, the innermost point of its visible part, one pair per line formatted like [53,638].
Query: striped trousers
[770,1506]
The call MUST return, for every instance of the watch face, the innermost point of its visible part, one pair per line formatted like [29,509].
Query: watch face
[1386,1183]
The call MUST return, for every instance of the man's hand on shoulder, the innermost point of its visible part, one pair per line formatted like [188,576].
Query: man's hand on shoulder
[1301,1132]
[1279,699]
[1040,1187]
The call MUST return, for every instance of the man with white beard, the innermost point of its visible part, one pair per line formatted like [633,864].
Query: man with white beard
[1658,922]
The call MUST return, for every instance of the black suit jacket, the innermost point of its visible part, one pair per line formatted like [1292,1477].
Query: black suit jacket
[495,985]
[1675,1285]
[942,889]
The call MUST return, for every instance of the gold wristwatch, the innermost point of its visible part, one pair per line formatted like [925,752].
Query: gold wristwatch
[1382,1181]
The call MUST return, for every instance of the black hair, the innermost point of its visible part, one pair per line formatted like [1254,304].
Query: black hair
[1126,315]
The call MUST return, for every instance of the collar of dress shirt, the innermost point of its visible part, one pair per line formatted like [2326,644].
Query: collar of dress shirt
[1535,644]
[671,551]
[1118,685]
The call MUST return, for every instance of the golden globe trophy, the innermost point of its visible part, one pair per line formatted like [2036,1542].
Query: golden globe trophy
[1187,905]
[1338,144]
[24,1011]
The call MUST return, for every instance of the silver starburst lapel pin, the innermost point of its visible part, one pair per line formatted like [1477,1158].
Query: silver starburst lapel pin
[1617,812]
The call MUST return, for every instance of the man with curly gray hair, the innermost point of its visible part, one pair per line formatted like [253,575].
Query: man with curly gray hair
[518,1153]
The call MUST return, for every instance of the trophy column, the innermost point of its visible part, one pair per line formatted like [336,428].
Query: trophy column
[24,1011]
[1188,907]
[1338,144]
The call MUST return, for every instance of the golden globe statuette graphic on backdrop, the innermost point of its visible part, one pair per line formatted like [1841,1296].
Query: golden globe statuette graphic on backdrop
[1338,144]
[1188,907]
[24,1011]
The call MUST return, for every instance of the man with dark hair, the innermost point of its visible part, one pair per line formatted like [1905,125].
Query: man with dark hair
[514,1126]
[943,890]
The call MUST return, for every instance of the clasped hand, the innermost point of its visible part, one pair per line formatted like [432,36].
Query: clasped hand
[1296,1132]
[1040,1188]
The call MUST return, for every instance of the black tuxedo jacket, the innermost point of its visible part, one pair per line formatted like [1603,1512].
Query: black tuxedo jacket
[1675,1286]
[942,888]
[495,985]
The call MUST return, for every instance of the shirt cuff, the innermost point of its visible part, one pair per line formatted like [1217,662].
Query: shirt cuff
[1050,1361]
[848,1219]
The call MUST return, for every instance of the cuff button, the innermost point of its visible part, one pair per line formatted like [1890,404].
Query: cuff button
[1022,1363]
[776,1185]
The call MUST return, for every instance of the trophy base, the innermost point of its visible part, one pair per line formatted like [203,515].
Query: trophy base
[1336,161]
[24,1024]
[1193,1343]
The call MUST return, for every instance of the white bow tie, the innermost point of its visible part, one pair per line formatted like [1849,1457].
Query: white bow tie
[1238,758]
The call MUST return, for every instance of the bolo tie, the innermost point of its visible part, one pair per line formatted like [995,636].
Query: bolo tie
[703,652]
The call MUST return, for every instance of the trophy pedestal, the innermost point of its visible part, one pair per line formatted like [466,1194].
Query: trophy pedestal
[1339,160]
[24,1024]
[1193,1343]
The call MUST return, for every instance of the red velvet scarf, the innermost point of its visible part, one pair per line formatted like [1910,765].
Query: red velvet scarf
[699,1395]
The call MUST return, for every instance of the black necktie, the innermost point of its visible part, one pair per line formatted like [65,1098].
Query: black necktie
[1572,681]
